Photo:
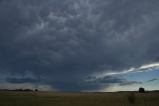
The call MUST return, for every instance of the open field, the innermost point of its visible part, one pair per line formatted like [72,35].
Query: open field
[77,99]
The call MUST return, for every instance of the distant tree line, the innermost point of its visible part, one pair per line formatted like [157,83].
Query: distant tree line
[23,90]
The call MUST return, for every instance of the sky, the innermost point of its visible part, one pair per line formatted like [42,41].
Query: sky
[79,45]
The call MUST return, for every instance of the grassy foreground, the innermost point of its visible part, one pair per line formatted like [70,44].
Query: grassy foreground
[77,99]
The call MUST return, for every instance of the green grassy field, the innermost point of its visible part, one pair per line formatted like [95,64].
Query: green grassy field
[77,99]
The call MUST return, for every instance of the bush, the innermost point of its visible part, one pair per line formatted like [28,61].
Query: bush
[131,98]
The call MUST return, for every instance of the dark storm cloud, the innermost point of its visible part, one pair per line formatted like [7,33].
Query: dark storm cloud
[63,42]
[21,80]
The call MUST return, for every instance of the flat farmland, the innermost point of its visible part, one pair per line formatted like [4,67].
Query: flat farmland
[78,99]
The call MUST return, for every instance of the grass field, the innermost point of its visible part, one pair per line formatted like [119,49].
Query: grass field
[77,99]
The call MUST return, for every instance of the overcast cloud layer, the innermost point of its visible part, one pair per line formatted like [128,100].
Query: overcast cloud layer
[63,43]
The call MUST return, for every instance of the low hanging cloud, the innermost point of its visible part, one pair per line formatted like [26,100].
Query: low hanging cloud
[152,80]
[142,68]
[63,42]
[112,80]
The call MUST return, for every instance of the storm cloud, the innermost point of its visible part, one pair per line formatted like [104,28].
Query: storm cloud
[63,42]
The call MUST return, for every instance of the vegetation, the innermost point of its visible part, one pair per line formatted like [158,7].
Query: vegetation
[13,98]
[131,98]
[141,90]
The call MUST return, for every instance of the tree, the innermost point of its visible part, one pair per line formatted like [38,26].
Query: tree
[141,90]
[36,90]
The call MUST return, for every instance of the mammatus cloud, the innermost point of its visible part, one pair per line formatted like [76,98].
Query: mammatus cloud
[63,42]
